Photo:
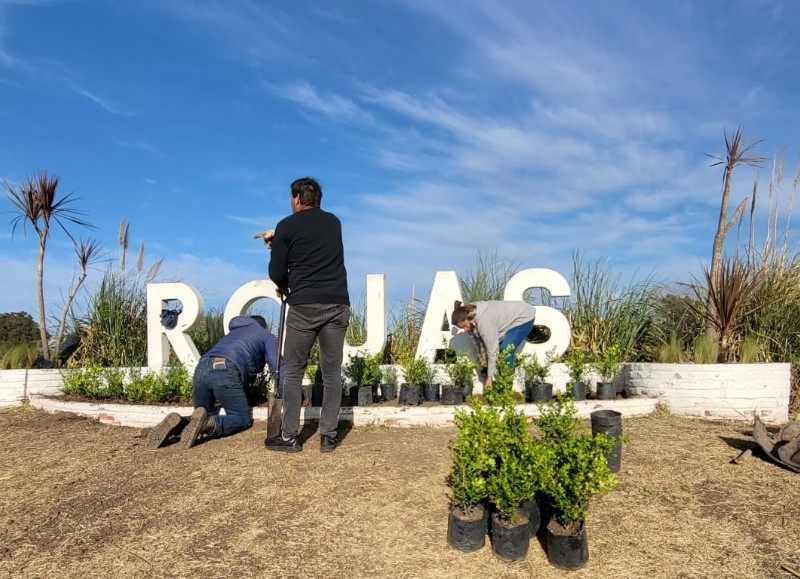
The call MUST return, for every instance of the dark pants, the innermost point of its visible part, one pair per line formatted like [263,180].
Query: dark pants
[304,324]
[222,380]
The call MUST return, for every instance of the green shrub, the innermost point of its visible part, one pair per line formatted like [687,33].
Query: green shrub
[178,381]
[258,390]
[558,419]
[461,370]
[533,370]
[113,382]
[575,467]
[607,363]
[577,471]
[356,367]
[157,387]
[416,370]
[577,363]
[85,382]
[372,370]
[473,455]
[313,373]
[389,375]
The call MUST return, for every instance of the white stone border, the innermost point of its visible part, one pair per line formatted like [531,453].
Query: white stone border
[711,391]
[143,416]
[716,391]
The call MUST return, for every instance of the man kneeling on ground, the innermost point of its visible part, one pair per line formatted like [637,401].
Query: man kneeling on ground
[223,373]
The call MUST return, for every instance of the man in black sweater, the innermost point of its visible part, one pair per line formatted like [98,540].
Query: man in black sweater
[307,265]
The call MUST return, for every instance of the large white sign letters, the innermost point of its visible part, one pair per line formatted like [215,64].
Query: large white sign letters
[435,326]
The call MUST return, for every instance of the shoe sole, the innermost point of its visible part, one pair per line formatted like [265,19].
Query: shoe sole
[330,448]
[192,431]
[161,432]
[283,449]
[291,449]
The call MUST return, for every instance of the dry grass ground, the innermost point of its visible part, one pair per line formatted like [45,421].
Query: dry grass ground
[80,499]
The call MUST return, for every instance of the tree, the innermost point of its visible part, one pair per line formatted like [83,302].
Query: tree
[17,328]
[737,153]
[37,204]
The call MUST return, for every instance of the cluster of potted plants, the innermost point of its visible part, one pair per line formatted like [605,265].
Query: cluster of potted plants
[500,468]
[364,370]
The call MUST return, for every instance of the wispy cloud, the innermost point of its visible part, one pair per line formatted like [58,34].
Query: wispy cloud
[101,102]
[141,146]
[309,98]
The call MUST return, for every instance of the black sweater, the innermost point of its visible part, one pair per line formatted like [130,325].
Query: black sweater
[307,258]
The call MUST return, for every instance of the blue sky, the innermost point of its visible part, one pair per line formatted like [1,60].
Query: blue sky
[437,129]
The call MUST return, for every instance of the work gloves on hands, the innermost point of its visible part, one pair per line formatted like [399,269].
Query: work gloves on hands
[267,236]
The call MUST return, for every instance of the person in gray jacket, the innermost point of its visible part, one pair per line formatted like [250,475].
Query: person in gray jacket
[494,326]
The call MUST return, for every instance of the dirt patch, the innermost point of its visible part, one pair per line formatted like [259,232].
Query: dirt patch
[78,498]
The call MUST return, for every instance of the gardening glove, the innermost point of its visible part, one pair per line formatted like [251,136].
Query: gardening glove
[267,236]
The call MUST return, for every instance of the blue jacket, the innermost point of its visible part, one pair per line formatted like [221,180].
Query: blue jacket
[248,346]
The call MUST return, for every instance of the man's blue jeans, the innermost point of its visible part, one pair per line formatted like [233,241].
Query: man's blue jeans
[226,385]
[516,337]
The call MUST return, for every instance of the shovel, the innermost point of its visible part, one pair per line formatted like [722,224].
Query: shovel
[275,400]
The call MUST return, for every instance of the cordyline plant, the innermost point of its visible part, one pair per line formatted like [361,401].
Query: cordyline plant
[38,205]
[728,300]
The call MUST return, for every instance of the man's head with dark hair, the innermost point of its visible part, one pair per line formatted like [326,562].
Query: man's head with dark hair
[307,192]
[261,321]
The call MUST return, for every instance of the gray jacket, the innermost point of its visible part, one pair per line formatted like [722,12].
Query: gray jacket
[493,319]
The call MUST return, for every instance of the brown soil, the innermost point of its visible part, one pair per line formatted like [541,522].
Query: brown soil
[81,499]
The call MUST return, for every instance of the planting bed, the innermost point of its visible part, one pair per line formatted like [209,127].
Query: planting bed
[79,498]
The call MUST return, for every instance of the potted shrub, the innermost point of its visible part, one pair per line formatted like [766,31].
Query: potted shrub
[518,462]
[314,376]
[355,370]
[608,365]
[429,387]
[415,371]
[473,460]
[460,370]
[388,383]
[535,373]
[372,374]
[576,471]
[577,363]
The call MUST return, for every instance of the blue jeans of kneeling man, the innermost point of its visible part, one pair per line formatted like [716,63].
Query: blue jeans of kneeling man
[226,385]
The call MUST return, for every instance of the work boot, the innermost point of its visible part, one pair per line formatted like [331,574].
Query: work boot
[200,424]
[281,444]
[171,424]
[329,443]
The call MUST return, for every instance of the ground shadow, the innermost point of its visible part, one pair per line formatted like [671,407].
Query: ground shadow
[739,443]
[309,429]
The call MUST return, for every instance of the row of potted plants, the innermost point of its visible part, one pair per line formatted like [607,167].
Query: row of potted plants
[606,364]
[421,383]
[503,473]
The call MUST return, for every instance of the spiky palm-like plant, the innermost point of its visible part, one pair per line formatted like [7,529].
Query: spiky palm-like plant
[38,204]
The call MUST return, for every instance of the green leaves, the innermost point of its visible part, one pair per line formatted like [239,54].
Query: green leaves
[461,370]
[607,363]
[577,362]
[364,369]
[535,370]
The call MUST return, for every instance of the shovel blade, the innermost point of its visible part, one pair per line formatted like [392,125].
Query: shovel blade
[274,416]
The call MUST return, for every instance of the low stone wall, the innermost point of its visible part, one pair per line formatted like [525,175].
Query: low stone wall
[143,416]
[712,391]
[717,391]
